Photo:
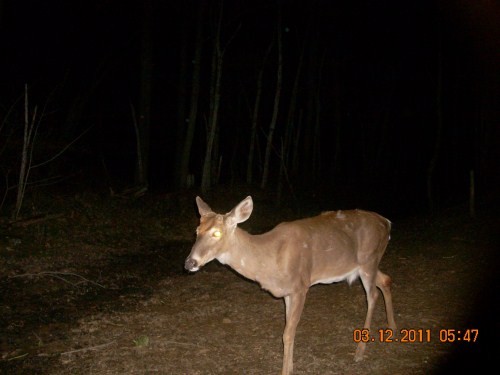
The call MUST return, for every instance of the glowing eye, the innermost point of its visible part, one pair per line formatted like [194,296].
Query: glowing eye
[217,234]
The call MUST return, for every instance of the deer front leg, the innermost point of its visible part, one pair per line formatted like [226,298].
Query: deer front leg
[294,304]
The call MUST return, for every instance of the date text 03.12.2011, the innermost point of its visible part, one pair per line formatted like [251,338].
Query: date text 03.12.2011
[415,335]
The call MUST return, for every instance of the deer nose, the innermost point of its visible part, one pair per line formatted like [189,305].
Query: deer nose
[191,264]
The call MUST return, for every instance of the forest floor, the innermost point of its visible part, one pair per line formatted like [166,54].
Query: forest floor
[100,289]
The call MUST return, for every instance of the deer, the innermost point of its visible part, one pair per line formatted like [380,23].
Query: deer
[289,259]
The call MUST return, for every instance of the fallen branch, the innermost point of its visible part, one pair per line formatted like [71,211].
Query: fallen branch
[134,192]
[59,275]
[182,343]
[17,357]
[97,347]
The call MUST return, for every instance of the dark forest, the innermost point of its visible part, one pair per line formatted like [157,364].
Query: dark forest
[380,103]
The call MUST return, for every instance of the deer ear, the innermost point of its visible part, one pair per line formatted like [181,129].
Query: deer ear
[242,211]
[203,208]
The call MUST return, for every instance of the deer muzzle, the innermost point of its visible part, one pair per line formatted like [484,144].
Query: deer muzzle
[191,265]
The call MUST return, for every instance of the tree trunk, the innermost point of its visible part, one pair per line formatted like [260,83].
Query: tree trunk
[274,119]
[27,145]
[206,179]
[289,128]
[195,93]
[255,116]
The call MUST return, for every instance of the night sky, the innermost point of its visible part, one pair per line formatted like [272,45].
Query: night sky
[384,73]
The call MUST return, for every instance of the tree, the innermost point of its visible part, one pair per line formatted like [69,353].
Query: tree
[290,132]
[187,140]
[215,83]
[277,95]
[255,116]
[211,153]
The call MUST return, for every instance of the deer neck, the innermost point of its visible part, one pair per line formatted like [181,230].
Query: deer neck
[248,255]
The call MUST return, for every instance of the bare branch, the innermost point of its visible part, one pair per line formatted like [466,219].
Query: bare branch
[59,275]
[64,148]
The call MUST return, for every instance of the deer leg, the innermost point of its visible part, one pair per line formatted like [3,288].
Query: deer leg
[383,282]
[294,304]
[368,279]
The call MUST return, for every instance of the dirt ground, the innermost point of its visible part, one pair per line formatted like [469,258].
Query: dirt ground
[100,289]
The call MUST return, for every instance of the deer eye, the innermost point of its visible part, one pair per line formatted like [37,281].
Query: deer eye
[217,233]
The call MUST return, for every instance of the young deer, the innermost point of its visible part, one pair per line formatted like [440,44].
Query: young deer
[289,259]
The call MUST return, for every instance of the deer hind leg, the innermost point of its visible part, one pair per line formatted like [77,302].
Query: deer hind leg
[384,282]
[294,304]
[368,280]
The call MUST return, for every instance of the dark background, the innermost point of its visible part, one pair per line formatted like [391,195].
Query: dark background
[407,95]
